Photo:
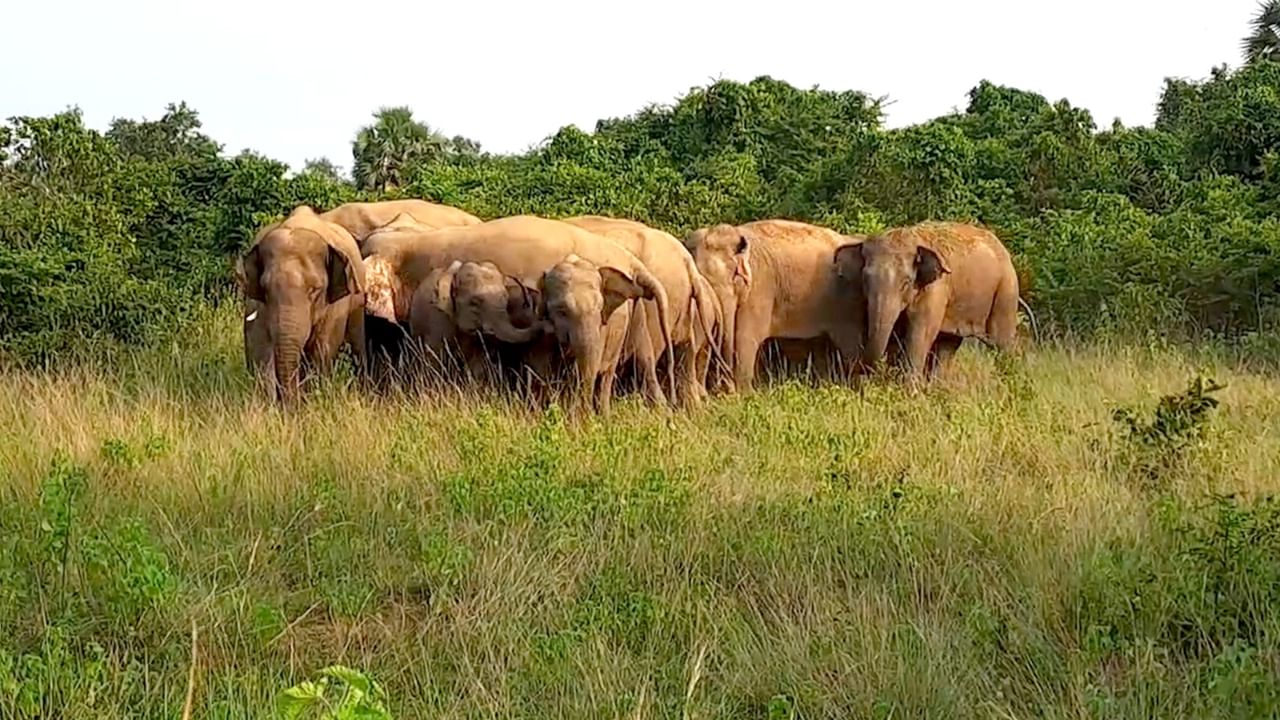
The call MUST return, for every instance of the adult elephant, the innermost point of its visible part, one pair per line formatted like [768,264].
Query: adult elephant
[525,248]
[362,218]
[775,279]
[673,266]
[936,283]
[304,281]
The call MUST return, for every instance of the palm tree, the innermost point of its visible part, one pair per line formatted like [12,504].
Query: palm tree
[384,151]
[1264,42]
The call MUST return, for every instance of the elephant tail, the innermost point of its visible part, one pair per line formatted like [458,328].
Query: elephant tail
[1031,316]
[698,301]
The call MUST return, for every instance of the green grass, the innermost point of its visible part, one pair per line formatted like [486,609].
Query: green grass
[994,546]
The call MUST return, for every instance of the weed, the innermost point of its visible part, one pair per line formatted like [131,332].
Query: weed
[1178,424]
[339,693]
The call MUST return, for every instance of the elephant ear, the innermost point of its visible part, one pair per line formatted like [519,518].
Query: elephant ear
[849,260]
[341,280]
[742,260]
[618,288]
[344,264]
[249,274]
[524,304]
[444,288]
[929,266]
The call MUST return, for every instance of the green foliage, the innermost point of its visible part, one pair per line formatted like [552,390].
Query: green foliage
[59,492]
[1178,424]
[386,152]
[118,238]
[1263,42]
[340,693]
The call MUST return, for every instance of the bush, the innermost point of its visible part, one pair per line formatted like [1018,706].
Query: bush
[117,238]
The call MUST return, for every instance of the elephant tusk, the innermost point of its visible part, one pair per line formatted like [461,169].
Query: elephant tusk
[251,316]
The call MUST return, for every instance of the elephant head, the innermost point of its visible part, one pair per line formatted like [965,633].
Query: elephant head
[893,273]
[722,254]
[294,270]
[579,299]
[479,298]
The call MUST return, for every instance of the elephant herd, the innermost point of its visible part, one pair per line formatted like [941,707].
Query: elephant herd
[576,303]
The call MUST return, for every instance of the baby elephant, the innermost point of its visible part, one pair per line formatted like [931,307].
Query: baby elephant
[472,307]
[589,307]
[936,282]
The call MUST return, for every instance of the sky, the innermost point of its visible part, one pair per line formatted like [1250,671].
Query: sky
[296,80]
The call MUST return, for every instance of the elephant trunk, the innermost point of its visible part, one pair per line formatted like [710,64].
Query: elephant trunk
[506,331]
[292,327]
[882,315]
[587,349]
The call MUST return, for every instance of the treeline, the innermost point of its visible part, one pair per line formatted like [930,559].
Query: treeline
[119,237]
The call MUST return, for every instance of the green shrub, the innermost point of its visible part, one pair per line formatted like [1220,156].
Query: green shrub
[117,238]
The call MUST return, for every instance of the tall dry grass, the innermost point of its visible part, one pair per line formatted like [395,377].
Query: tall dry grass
[979,549]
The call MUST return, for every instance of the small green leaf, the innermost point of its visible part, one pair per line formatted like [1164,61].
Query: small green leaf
[354,678]
[295,701]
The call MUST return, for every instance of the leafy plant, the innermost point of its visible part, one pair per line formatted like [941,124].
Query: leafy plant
[59,492]
[339,693]
[1178,423]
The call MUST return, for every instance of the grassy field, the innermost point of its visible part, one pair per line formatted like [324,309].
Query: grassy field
[996,546]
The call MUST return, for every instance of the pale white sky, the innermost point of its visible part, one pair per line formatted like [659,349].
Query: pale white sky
[295,80]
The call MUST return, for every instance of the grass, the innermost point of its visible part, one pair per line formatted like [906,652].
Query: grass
[995,546]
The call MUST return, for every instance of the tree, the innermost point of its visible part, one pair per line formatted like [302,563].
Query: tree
[1264,42]
[175,136]
[386,150]
[463,146]
[324,168]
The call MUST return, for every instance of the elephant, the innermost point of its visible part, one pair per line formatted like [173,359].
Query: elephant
[462,304]
[936,283]
[669,261]
[303,280]
[362,218]
[575,290]
[525,247]
[775,279]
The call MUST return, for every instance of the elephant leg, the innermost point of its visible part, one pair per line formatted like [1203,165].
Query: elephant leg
[1002,324]
[328,336]
[645,356]
[356,339]
[478,369]
[615,334]
[751,334]
[944,348]
[702,370]
[922,331]
[605,397]
[692,388]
